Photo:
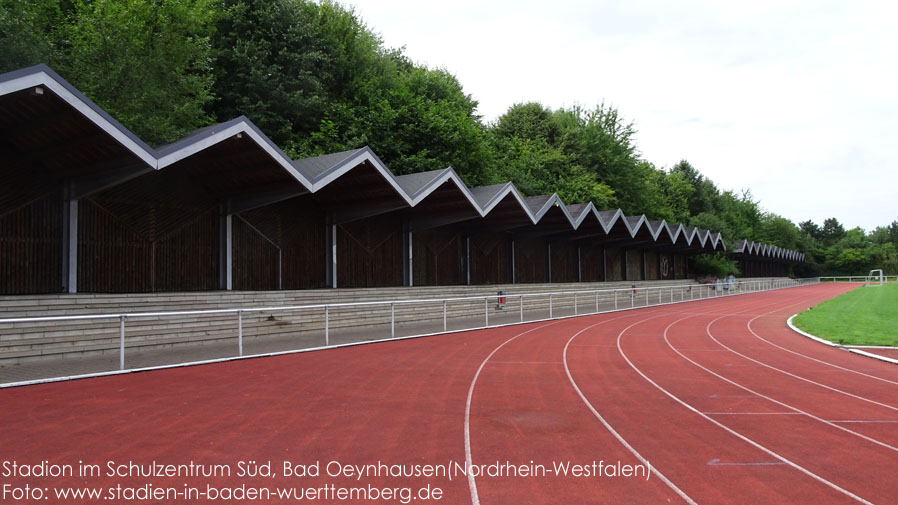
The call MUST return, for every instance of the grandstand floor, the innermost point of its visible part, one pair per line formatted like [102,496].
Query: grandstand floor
[717,398]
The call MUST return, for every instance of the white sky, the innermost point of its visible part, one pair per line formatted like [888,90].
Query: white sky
[795,100]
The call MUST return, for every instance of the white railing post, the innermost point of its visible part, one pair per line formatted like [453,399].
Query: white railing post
[597,302]
[240,333]
[392,319]
[444,315]
[575,303]
[121,337]
[522,308]
[486,310]
[646,297]
[550,306]
[615,299]
[326,326]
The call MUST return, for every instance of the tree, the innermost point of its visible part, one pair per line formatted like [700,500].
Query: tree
[810,229]
[704,192]
[29,33]
[831,232]
[146,63]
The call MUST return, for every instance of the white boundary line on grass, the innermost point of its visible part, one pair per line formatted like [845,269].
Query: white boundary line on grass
[839,346]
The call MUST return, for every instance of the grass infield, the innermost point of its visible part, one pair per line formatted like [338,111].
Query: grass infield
[864,316]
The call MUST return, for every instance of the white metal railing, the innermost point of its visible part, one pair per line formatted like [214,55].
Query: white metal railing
[859,278]
[558,304]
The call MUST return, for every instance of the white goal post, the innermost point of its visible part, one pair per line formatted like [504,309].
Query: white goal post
[875,275]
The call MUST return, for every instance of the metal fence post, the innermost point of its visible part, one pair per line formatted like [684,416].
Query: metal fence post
[522,308]
[575,304]
[392,319]
[615,299]
[444,315]
[597,302]
[240,333]
[646,297]
[326,325]
[121,350]
[486,310]
[550,305]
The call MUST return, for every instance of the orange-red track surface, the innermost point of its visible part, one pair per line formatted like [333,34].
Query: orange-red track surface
[718,398]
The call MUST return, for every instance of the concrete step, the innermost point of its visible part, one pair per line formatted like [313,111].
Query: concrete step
[20,342]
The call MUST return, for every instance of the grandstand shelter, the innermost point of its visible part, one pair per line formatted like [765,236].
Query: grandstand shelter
[762,260]
[86,206]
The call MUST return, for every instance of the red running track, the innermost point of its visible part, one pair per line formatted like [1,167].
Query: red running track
[718,398]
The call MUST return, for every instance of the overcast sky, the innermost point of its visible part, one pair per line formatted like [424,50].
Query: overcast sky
[796,101]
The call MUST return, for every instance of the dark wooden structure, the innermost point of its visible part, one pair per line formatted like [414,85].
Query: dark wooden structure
[86,206]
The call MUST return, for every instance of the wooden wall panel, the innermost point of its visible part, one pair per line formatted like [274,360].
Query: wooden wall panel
[591,263]
[651,266]
[614,264]
[286,240]
[564,262]
[112,258]
[634,265]
[31,247]
[132,246]
[256,258]
[438,258]
[187,258]
[489,259]
[667,266]
[530,261]
[680,266]
[369,253]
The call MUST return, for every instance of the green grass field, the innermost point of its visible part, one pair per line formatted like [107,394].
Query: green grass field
[863,316]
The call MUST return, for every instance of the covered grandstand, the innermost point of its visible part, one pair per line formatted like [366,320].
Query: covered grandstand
[86,206]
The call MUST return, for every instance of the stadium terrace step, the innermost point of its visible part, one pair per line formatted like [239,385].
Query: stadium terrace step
[30,342]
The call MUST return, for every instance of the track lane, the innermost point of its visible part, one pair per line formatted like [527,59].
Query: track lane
[674,439]
[540,419]
[697,388]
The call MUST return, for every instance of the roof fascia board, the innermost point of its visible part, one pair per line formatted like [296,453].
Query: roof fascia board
[365,154]
[43,76]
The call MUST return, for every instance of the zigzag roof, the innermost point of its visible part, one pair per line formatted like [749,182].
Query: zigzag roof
[316,173]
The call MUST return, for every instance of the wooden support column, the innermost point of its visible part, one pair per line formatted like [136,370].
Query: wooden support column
[643,264]
[468,260]
[70,246]
[511,273]
[226,250]
[330,251]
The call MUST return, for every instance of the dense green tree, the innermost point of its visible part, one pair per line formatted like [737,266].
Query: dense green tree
[29,33]
[146,63]
[831,232]
[810,228]
[704,192]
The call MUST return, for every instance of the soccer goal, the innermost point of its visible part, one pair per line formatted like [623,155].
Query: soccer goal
[875,276]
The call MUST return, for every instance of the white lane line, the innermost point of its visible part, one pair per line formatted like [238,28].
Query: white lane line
[472,484]
[790,374]
[730,430]
[526,362]
[782,404]
[864,421]
[815,359]
[753,414]
[608,426]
